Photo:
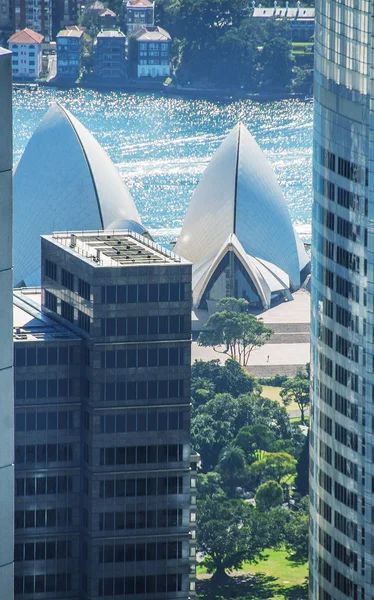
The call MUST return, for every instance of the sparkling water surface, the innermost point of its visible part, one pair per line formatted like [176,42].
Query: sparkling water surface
[161,145]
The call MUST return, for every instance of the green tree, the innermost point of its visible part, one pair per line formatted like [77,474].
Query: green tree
[229,533]
[296,390]
[256,439]
[229,378]
[273,466]
[296,532]
[277,61]
[269,495]
[209,484]
[202,390]
[237,333]
[232,467]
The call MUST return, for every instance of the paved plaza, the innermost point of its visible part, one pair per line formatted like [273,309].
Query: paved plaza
[289,347]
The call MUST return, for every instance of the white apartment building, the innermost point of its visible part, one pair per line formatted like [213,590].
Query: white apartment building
[26,47]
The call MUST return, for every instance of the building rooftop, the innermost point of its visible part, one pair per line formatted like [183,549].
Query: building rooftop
[96,6]
[70,33]
[151,34]
[107,13]
[26,36]
[30,324]
[138,3]
[111,33]
[114,248]
[288,13]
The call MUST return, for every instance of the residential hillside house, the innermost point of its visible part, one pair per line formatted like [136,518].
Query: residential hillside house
[69,53]
[35,15]
[107,19]
[110,55]
[139,13]
[26,47]
[149,52]
[300,19]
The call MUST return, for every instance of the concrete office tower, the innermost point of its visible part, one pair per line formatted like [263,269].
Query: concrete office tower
[342,423]
[6,343]
[105,489]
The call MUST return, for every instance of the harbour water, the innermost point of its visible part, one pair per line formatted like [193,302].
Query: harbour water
[161,145]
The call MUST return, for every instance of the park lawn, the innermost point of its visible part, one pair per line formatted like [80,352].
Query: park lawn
[285,573]
[273,393]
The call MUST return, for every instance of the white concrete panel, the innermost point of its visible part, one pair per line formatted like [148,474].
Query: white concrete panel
[238,193]
[6,517]
[6,320]
[6,419]
[6,158]
[6,581]
[210,215]
[6,212]
[64,181]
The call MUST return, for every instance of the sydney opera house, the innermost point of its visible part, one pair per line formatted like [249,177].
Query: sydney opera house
[75,186]
[237,231]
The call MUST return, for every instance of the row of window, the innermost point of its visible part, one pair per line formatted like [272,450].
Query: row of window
[37,357]
[141,519]
[36,486]
[139,552]
[140,455]
[142,486]
[142,390]
[342,375]
[43,453]
[126,326]
[142,420]
[42,421]
[43,388]
[43,517]
[349,528]
[43,550]
[39,584]
[149,584]
[343,227]
[147,292]
[68,280]
[144,357]
[346,168]
[342,286]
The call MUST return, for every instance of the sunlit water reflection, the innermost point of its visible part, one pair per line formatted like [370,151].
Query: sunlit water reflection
[161,145]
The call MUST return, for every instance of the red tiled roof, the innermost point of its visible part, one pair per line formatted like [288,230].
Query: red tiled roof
[26,36]
[139,3]
[107,12]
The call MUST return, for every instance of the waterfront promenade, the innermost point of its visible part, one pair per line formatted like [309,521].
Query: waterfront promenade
[289,347]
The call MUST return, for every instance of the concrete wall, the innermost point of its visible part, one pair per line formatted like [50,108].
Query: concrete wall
[6,343]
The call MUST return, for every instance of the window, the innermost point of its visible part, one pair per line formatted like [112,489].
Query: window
[84,289]
[50,269]
[67,311]
[50,301]
[132,455]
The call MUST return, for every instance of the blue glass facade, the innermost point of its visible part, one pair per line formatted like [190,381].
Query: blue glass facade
[341,442]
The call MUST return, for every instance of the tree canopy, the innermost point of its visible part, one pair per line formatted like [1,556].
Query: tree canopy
[297,390]
[229,533]
[269,495]
[236,333]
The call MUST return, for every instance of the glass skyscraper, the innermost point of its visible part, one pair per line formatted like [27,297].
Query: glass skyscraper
[342,410]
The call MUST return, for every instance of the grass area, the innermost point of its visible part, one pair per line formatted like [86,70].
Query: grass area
[275,578]
[273,393]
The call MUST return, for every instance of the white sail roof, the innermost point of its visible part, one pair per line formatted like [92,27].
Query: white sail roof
[239,194]
[64,181]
